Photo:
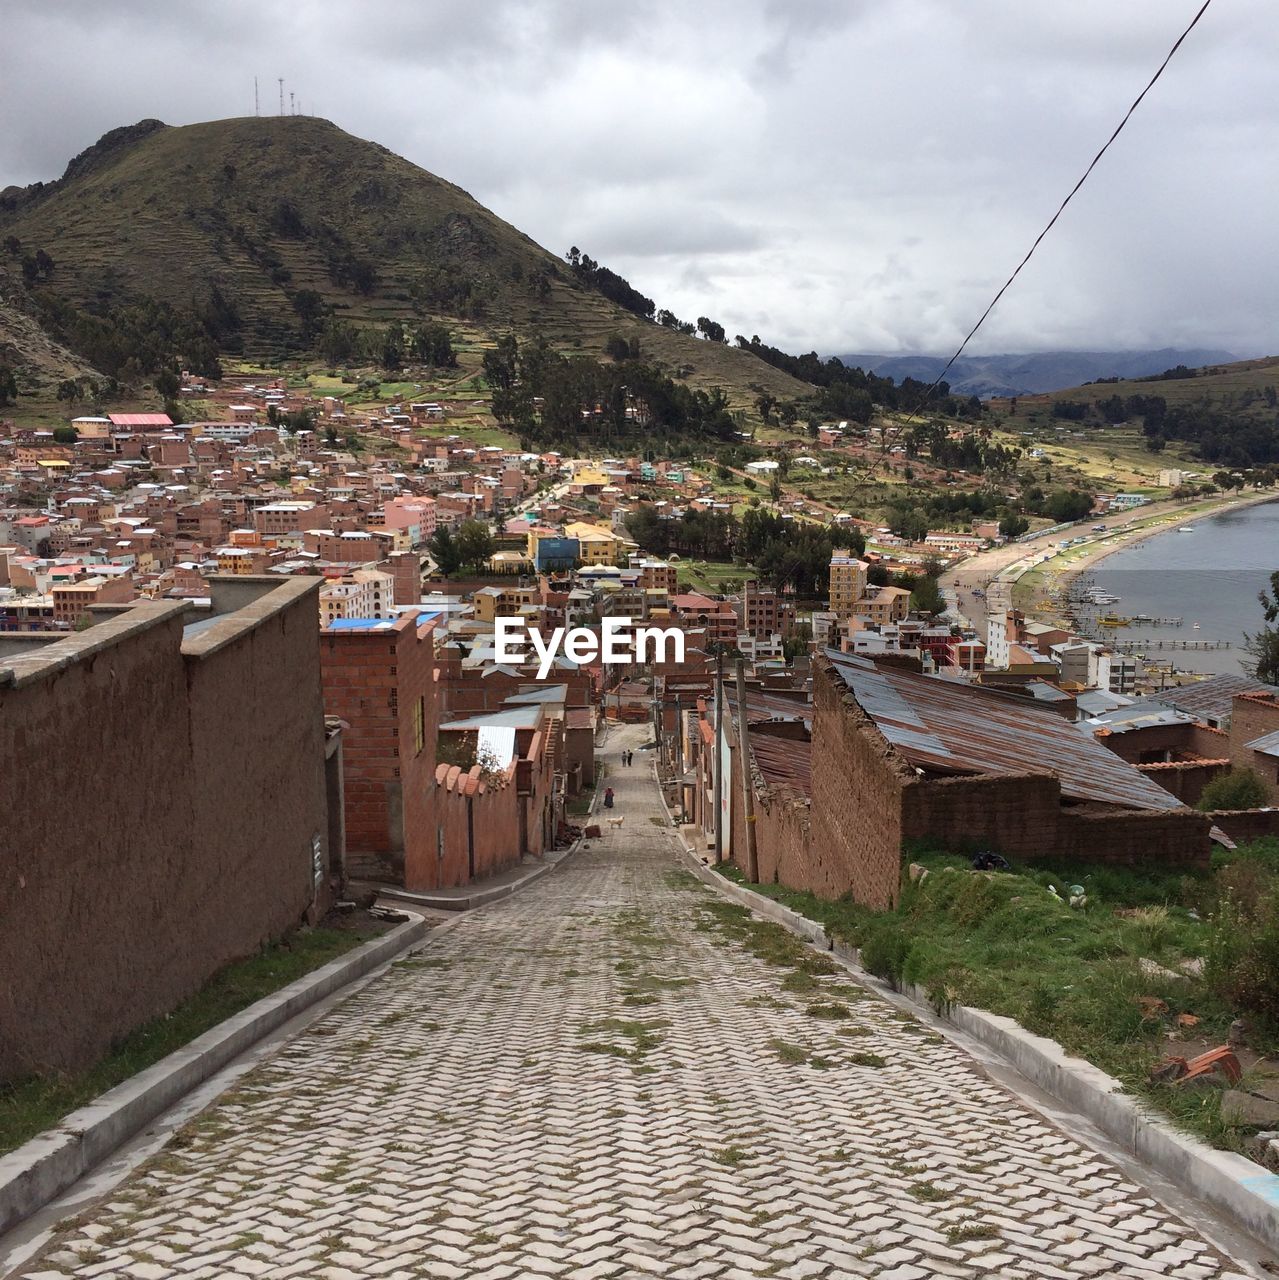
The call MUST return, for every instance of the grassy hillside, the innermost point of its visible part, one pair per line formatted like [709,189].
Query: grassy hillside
[244,215]
[1236,385]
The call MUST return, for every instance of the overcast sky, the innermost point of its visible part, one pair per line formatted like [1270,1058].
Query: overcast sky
[845,175]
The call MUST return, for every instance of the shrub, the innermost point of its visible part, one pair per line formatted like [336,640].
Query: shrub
[1243,955]
[884,952]
[1234,789]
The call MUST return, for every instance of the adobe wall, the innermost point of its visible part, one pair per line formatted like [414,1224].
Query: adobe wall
[1245,825]
[1014,814]
[181,837]
[857,783]
[1185,779]
[1152,742]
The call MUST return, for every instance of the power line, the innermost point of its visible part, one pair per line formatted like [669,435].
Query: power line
[1052,222]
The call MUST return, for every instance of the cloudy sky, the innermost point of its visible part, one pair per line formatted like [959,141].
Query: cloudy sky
[845,175]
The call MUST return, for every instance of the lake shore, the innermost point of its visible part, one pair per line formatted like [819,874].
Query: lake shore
[1001,570]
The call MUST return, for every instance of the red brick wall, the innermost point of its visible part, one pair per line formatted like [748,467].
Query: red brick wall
[185,841]
[1253,716]
[373,681]
[478,822]
[1014,814]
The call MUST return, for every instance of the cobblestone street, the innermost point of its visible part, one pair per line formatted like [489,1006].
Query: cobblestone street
[615,1073]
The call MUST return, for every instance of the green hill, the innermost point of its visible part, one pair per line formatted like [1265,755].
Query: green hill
[1227,413]
[260,226]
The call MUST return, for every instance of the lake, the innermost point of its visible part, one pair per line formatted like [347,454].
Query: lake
[1210,576]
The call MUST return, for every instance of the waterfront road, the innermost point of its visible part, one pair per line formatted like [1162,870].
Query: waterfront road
[611,1074]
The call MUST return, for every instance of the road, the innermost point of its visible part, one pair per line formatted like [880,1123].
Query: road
[612,1074]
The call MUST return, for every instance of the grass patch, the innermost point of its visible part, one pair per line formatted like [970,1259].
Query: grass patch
[832,1012]
[732,1156]
[30,1106]
[967,1231]
[1009,943]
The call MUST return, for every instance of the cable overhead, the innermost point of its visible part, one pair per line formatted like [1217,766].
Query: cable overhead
[1052,222]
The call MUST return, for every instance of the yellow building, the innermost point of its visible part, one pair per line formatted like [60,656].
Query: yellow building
[599,545]
[882,605]
[847,581]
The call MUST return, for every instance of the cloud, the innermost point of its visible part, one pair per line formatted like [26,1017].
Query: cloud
[830,174]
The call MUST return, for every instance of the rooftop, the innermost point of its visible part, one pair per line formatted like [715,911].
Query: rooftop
[944,726]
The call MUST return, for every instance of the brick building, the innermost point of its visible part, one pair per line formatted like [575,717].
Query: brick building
[379,680]
[766,612]
[1254,737]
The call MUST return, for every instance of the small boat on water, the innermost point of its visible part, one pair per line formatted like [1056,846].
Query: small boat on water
[1186,528]
[1110,620]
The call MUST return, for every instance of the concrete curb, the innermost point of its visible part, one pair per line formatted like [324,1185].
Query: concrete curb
[1238,1188]
[52,1161]
[480,898]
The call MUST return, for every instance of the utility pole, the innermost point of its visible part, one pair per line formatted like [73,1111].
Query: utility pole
[748,790]
[256,111]
[292,112]
[719,756]
[281,80]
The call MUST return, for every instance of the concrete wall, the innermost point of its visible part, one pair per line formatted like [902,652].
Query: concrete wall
[162,803]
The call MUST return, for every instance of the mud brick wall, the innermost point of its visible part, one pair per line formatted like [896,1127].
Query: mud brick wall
[163,799]
[1185,779]
[857,783]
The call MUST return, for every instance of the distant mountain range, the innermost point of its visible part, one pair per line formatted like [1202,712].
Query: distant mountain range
[1040,371]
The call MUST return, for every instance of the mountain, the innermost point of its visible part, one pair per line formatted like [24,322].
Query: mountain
[1037,372]
[254,230]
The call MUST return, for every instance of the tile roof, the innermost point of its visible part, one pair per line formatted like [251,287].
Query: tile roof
[950,727]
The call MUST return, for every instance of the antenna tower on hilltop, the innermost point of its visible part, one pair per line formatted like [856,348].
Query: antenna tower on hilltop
[281,80]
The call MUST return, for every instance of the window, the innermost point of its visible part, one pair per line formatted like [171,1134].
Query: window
[419,726]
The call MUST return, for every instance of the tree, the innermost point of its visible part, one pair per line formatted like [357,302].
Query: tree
[1234,789]
[65,434]
[775,486]
[393,348]
[8,386]
[1013,525]
[926,596]
[444,551]
[168,384]
[710,330]
[474,545]
[1263,647]
[69,390]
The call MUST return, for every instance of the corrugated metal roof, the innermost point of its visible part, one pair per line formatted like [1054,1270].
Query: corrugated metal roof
[783,761]
[1209,699]
[1268,744]
[950,727]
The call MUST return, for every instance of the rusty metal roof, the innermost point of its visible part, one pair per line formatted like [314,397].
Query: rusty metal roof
[783,761]
[951,727]
[762,706]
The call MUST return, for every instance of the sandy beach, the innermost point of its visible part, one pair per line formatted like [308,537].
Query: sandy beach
[996,571]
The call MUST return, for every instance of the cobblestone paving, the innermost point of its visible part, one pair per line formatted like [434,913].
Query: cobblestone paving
[614,1073]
